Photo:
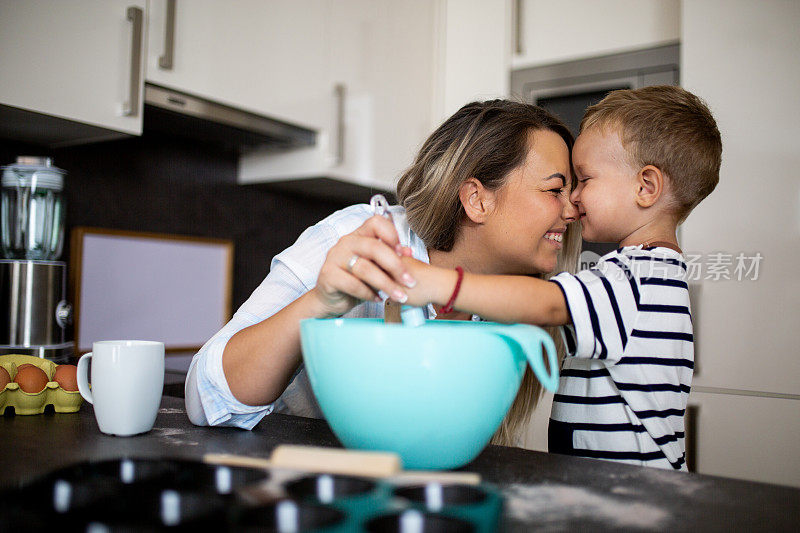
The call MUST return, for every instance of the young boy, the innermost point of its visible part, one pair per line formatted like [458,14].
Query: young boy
[643,160]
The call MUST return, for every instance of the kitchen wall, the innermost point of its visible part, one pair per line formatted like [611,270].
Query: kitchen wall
[741,56]
[162,184]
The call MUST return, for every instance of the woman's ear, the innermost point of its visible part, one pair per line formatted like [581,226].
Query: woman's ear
[477,200]
[649,186]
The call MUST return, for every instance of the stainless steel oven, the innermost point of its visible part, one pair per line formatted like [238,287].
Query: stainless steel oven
[568,88]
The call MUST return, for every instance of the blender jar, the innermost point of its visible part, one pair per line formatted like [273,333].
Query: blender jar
[32,209]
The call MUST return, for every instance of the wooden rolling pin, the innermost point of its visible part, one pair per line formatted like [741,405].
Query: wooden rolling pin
[340,461]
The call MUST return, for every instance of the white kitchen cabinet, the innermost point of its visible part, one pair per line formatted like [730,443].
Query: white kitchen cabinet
[747,437]
[470,68]
[548,32]
[736,435]
[739,435]
[270,58]
[80,61]
[380,53]
[389,64]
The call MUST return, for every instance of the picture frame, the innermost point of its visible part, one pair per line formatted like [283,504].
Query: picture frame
[176,289]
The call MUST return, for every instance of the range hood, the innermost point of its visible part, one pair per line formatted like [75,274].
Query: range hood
[177,113]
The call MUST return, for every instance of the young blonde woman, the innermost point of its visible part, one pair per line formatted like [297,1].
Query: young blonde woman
[488,192]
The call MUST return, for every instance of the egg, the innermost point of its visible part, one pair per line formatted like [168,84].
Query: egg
[5,378]
[67,377]
[31,379]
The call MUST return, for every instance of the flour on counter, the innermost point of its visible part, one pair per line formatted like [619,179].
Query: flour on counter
[172,436]
[171,411]
[681,482]
[624,491]
[553,505]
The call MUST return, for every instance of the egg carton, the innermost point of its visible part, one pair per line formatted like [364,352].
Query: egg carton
[139,494]
[26,403]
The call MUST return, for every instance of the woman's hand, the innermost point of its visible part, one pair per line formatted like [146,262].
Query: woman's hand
[259,361]
[361,264]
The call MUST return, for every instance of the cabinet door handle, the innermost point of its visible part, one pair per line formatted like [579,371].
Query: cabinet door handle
[131,107]
[340,92]
[695,298]
[518,48]
[690,434]
[167,58]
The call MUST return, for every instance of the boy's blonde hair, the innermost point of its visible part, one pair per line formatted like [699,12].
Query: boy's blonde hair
[670,128]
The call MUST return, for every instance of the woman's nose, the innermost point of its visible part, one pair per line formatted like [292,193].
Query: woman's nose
[570,211]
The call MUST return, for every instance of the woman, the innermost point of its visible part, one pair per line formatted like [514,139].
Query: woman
[488,192]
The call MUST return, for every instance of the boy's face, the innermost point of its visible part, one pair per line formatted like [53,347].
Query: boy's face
[606,185]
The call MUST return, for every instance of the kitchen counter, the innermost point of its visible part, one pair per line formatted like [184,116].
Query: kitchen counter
[547,491]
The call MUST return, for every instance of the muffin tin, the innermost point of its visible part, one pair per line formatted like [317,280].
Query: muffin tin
[135,494]
[25,403]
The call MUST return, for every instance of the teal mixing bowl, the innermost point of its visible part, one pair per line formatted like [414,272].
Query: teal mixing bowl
[434,394]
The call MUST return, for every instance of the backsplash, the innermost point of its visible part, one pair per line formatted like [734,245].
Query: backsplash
[162,184]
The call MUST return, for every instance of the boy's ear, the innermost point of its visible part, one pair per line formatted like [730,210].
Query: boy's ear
[649,186]
[477,200]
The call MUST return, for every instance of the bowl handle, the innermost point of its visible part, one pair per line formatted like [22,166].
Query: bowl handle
[531,339]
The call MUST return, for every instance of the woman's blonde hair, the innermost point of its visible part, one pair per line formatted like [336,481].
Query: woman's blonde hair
[516,421]
[484,140]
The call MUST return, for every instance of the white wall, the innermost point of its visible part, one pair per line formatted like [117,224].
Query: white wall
[741,57]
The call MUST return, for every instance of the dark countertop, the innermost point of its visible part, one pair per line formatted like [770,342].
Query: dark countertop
[545,491]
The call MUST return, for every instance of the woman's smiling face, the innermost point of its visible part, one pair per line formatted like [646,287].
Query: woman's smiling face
[532,209]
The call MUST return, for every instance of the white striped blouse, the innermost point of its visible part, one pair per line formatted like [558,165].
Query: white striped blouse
[624,388]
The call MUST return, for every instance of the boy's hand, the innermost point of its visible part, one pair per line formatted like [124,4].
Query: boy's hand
[434,285]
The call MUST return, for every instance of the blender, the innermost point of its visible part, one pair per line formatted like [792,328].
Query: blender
[34,313]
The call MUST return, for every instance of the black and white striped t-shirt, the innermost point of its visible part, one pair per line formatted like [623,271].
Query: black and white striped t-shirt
[625,383]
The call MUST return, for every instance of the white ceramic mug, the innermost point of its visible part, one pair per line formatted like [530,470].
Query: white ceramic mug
[127,383]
